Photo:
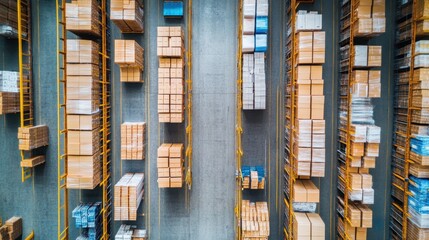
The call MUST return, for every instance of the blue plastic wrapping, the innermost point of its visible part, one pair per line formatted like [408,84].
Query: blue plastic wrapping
[173,8]
[420,145]
[261,25]
[260,42]
[421,207]
[88,219]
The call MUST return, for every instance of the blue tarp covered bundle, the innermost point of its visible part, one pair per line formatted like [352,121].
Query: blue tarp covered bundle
[420,145]
[261,24]
[173,8]
[260,42]
[88,218]
[245,171]
[419,199]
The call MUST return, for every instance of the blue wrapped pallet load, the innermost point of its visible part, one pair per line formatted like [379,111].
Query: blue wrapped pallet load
[419,202]
[253,177]
[173,9]
[260,42]
[261,24]
[420,145]
[88,219]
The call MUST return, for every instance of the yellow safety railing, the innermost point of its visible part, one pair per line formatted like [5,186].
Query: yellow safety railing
[62,192]
[25,75]
[238,127]
[189,99]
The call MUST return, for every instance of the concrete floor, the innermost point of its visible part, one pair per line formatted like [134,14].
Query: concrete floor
[205,212]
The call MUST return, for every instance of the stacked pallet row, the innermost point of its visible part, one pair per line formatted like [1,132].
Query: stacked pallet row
[83,96]
[359,137]
[254,46]
[129,57]
[128,194]
[9,18]
[255,220]
[132,140]
[410,158]
[170,165]
[127,232]
[170,50]
[127,15]
[9,92]
[88,218]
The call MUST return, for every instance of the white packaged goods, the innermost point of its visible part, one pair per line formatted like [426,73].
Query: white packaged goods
[262,8]
[248,43]
[9,81]
[249,26]
[248,76]
[308,21]
[249,7]
[361,55]
[421,61]
[260,89]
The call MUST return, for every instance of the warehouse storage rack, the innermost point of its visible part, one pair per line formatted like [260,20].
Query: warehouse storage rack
[105,110]
[25,76]
[347,37]
[238,127]
[407,21]
[290,175]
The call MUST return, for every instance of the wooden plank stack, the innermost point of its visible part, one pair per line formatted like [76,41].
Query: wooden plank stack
[127,15]
[128,194]
[83,116]
[83,17]
[33,137]
[9,102]
[12,229]
[255,220]
[170,165]
[132,140]
[170,49]
[308,226]
[32,162]
[129,57]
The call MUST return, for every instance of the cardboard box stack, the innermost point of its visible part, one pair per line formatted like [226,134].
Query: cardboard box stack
[306,196]
[129,56]
[355,233]
[370,18]
[254,46]
[88,218]
[83,17]
[309,123]
[170,165]
[128,194]
[9,18]
[83,116]
[171,87]
[132,140]
[308,226]
[253,177]
[9,92]
[127,15]
[255,220]
[33,137]
[127,232]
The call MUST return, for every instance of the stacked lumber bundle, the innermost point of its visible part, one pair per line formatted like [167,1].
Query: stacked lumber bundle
[9,92]
[83,17]
[170,48]
[32,162]
[88,218]
[128,195]
[9,18]
[132,140]
[12,229]
[127,232]
[253,177]
[33,137]
[170,165]
[127,15]
[83,116]
[255,220]
[129,57]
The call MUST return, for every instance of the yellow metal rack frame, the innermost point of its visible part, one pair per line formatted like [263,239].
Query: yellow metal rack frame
[25,75]
[238,126]
[189,99]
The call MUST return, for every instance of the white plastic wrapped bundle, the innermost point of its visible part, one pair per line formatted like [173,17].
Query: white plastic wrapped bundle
[249,26]
[262,8]
[248,43]
[368,196]
[355,194]
[373,134]
[248,76]
[260,86]
[9,81]
[304,207]
[362,111]
[249,7]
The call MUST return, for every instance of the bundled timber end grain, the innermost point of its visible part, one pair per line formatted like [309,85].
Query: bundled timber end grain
[33,137]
